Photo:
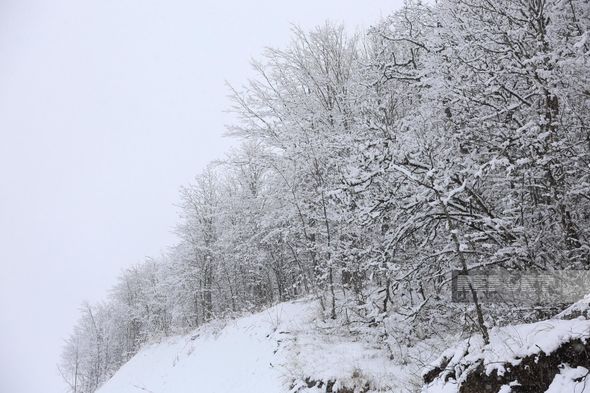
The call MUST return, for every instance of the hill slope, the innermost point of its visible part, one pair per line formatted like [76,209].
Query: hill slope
[290,348]
[285,348]
[237,357]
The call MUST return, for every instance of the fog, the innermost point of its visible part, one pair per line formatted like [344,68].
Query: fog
[106,109]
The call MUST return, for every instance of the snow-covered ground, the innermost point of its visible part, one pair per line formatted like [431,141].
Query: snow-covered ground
[286,348]
[235,357]
[290,348]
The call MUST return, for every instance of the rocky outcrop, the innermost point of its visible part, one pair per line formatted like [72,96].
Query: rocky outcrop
[529,358]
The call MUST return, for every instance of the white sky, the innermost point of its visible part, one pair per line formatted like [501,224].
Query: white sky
[107,107]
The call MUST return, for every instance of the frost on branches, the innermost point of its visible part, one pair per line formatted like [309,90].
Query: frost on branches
[451,136]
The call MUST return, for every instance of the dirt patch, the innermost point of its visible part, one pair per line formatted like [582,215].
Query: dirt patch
[329,386]
[435,371]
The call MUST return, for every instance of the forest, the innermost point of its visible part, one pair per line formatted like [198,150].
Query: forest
[451,135]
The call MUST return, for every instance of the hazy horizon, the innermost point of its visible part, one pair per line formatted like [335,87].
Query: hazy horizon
[106,109]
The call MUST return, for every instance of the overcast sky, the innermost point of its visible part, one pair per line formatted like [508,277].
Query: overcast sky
[107,107]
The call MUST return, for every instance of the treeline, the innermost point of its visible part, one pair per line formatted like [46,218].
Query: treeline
[449,136]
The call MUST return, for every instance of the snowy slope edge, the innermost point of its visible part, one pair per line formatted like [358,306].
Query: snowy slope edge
[547,356]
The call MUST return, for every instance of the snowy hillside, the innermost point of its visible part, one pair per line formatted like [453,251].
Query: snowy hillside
[238,357]
[283,349]
[290,348]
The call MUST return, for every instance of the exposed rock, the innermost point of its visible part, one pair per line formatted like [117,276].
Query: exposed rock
[546,356]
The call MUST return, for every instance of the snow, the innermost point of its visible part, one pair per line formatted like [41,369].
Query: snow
[583,39]
[579,308]
[511,343]
[236,358]
[508,388]
[289,348]
[508,345]
[333,356]
[572,380]
[278,350]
